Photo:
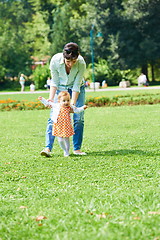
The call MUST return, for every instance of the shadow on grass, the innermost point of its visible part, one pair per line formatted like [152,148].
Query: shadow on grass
[123,152]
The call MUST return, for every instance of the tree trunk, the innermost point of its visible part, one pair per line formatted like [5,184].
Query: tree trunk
[152,71]
[145,70]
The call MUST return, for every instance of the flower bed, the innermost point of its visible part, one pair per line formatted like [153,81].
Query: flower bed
[121,100]
[9,104]
[118,100]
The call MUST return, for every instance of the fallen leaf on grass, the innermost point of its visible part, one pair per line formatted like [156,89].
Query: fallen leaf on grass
[39,218]
[7,163]
[22,207]
[103,215]
[23,177]
[154,213]
[11,196]
[136,218]
[91,213]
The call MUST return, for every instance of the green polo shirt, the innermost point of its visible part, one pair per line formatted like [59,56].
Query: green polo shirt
[61,80]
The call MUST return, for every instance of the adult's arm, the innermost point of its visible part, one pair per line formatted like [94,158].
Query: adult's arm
[80,75]
[52,92]
[74,97]
[78,80]
[55,78]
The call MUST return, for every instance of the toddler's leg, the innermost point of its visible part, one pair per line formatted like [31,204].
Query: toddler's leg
[67,142]
[62,143]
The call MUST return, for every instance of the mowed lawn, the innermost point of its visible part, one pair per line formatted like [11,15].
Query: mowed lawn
[111,193]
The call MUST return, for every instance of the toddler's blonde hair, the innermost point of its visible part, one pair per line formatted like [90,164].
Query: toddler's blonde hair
[63,94]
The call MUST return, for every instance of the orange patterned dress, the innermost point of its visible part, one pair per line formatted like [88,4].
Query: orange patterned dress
[63,127]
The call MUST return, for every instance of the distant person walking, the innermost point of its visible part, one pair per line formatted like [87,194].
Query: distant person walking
[48,83]
[22,82]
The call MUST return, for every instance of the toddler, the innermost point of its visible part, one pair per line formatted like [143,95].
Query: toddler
[62,126]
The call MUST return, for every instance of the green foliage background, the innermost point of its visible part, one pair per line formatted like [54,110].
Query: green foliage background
[40,76]
[131,33]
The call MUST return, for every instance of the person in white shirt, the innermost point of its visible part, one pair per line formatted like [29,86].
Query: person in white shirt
[22,82]
[48,83]
[67,74]
[142,80]
[32,87]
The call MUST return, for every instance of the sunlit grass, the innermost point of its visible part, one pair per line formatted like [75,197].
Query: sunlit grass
[110,94]
[112,193]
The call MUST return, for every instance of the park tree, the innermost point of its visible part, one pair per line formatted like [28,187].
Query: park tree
[133,30]
[24,34]
[66,27]
[142,39]
[61,32]
[36,34]
[130,30]
[14,53]
[81,20]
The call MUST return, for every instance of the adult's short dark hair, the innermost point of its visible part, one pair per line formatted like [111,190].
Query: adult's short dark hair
[71,51]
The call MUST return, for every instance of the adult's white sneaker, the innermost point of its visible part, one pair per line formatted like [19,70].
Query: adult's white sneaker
[46,152]
[78,152]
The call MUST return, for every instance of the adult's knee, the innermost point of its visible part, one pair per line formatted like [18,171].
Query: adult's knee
[49,126]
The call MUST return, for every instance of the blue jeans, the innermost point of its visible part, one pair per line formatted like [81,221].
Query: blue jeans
[78,122]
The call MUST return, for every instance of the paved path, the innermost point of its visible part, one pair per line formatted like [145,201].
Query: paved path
[88,90]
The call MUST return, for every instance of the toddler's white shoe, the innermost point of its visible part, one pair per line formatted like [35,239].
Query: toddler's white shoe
[66,154]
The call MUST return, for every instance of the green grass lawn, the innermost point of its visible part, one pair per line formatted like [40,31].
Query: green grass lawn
[112,93]
[111,193]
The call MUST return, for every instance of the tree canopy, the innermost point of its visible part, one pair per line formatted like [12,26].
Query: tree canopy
[131,31]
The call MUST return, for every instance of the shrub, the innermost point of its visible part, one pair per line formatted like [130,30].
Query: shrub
[9,84]
[105,71]
[40,75]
